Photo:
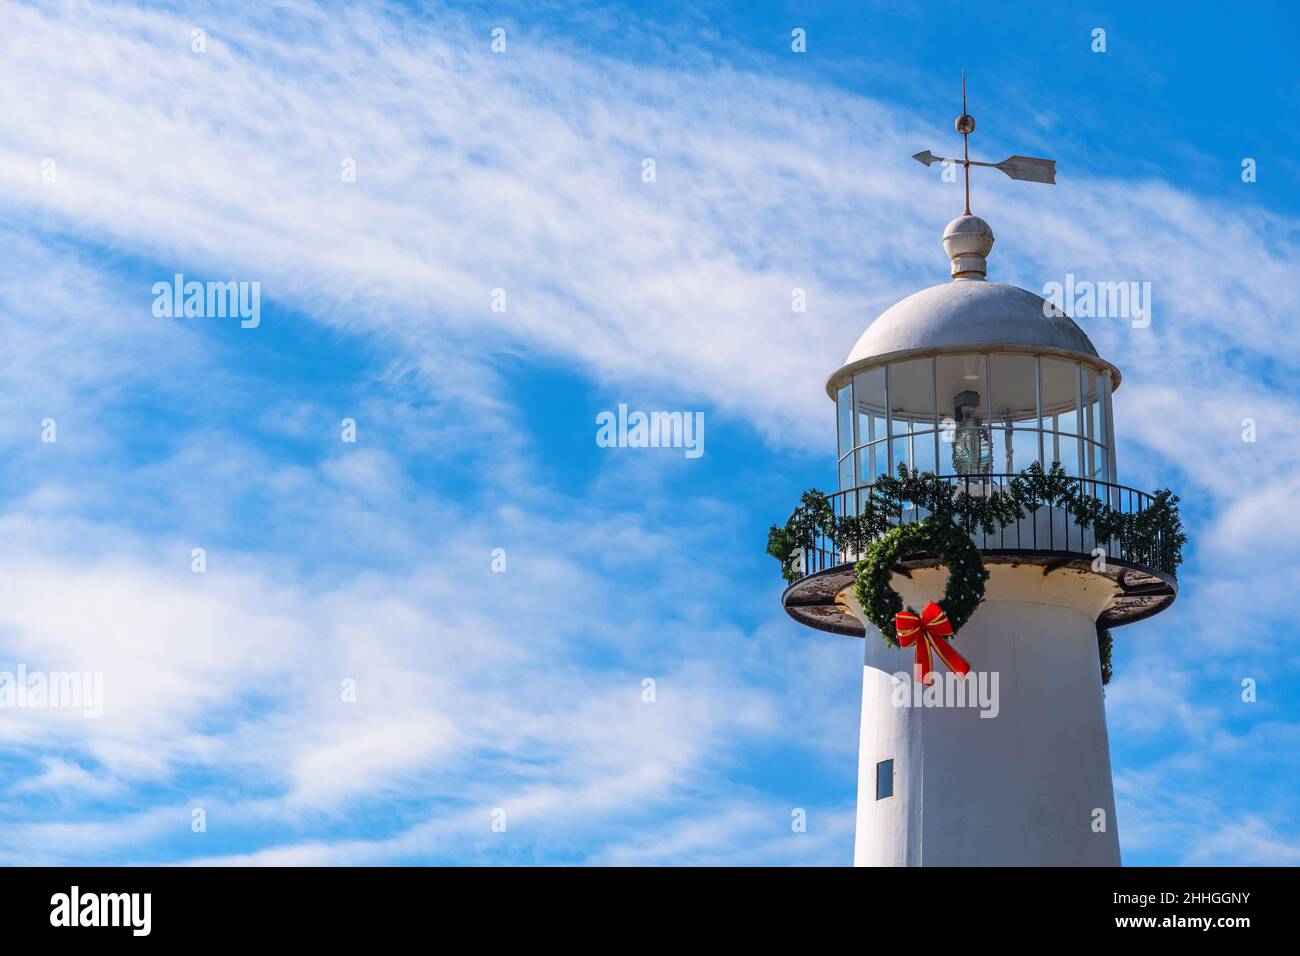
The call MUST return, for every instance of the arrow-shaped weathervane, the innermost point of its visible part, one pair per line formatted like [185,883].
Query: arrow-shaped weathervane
[1024,168]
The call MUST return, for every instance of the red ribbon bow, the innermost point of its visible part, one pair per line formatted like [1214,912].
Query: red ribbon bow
[927,632]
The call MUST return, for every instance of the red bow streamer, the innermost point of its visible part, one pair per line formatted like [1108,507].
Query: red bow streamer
[928,632]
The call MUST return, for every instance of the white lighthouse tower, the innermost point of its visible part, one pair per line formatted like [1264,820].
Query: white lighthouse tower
[974,381]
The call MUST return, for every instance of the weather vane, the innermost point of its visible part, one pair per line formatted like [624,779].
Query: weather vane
[1025,168]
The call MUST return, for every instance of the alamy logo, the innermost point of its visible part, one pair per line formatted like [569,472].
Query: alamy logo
[103,909]
[211,300]
[1085,299]
[652,430]
[57,690]
[978,690]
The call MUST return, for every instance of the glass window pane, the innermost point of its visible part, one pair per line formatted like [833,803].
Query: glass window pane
[864,500]
[880,459]
[1106,422]
[1092,403]
[923,451]
[1087,424]
[1064,449]
[1060,395]
[911,394]
[873,461]
[846,472]
[1024,449]
[844,409]
[1095,460]
[1014,380]
[1003,460]
[963,407]
[1105,409]
[884,779]
[902,453]
[869,394]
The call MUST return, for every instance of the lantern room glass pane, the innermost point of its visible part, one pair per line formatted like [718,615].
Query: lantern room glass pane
[846,472]
[923,453]
[1060,395]
[844,411]
[1064,449]
[1095,464]
[901,448]
[1003,460]
[873,461]
[962,382]
[1024,448]
[1108,425]
[1014,381]
[869,397]
[911,395]
[1094,451]
[1094,410]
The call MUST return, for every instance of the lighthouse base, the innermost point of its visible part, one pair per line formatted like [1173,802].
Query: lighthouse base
[1018,772]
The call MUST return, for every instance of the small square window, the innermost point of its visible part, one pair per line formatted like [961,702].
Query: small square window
[884,779]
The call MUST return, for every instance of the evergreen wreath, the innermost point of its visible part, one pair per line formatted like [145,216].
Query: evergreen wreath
[934,537]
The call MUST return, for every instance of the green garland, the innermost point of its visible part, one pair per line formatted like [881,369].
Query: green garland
[1104,644]
[1153,536]
[935,537]
[813,517]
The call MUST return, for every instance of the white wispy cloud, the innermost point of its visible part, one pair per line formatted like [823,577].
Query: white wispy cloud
[522,171]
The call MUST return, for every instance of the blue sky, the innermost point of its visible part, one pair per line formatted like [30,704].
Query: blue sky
[371,561]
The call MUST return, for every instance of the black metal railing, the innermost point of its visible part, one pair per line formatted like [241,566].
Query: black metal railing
[1046,528]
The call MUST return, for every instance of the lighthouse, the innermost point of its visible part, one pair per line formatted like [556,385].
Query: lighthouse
[975,381]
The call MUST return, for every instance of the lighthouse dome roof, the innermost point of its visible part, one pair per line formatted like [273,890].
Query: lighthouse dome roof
[969,314]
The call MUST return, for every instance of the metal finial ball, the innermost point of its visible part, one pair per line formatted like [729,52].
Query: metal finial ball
[965,124]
